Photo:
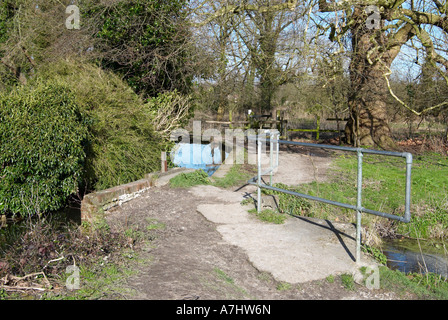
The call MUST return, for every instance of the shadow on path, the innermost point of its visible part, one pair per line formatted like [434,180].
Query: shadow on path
[337,233]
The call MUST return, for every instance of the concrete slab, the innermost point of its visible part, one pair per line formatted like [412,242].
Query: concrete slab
[297,168]
[217,194]
[223,213]
[300,250]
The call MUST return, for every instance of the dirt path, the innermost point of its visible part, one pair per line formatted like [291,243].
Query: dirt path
[192,258]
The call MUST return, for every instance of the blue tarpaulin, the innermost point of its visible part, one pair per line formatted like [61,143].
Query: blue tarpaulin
[197,156]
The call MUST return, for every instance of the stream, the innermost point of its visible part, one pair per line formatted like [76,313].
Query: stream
[409,256]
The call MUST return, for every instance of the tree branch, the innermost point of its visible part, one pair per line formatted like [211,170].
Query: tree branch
[420,18]
[233,9]
[418,113]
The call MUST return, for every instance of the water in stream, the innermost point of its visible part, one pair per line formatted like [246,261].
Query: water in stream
[410,256]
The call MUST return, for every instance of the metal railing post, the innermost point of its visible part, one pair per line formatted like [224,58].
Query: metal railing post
[278,149]
[359,208]
[407,214]
[259,174]
[256,181]
[271,157]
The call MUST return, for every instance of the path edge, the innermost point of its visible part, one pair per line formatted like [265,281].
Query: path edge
[95,203]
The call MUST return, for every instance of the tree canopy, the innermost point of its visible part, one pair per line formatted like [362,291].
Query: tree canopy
[378,32]
[148,42]
[88,108]
[266,44]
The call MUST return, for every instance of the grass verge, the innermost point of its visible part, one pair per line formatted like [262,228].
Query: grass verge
[269,215]
[190,179]
[383,190]
[237,175]
[422,286]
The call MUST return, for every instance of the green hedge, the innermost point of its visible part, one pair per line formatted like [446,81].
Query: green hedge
[73,127]
[42,142]
[122,145]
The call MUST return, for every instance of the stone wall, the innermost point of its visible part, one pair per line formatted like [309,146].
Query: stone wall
[95,203]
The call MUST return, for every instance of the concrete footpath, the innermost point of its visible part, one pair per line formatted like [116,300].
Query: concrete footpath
[300,250]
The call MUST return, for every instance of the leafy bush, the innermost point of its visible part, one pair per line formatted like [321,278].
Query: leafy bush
[123,145]
[42,139]
[147,41]
[73,126]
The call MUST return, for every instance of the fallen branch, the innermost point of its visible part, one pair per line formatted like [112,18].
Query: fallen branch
[15,280]
[54,260]
[15,288]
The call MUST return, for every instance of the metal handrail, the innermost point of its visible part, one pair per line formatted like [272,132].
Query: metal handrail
[358,207]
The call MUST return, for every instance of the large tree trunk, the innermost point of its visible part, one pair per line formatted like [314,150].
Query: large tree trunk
[368,125]
[267,43]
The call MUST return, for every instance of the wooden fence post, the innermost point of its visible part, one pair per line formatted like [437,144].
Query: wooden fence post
[164,163]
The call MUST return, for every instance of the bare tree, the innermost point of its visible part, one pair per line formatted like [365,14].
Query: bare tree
[148,42]
[260,44]
[378,30]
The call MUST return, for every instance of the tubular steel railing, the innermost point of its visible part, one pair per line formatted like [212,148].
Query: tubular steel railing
[275,142]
